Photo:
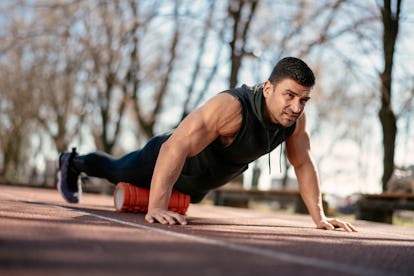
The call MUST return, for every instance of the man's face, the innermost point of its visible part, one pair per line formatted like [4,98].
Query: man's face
[285,101]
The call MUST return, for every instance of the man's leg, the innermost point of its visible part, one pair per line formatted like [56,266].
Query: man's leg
[135,168]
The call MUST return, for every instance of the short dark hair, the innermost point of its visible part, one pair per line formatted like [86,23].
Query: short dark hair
[292,68]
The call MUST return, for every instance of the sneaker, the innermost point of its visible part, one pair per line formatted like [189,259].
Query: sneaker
[68,177]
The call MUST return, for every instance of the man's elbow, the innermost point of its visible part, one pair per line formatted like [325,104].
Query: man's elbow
[302,163]
[174,149]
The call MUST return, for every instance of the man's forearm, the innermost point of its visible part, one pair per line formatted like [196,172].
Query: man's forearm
[307,177]
[167,170]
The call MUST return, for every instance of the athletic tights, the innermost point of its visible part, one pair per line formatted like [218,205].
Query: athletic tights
[136,167]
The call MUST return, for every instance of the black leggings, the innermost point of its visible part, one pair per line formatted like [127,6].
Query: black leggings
[136,167]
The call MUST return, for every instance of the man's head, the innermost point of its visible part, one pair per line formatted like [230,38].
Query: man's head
[287,91]
[294,69]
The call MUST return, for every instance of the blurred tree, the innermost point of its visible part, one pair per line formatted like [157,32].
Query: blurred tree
[390,14]
[241,13]
[150,68]
[102,43]
[201,51]
[16,109]
[51,66]
[56,60]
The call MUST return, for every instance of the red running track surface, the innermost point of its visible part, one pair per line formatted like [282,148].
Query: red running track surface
[40,234]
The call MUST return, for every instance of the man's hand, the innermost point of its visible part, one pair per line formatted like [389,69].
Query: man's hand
[165,217]
[331,224]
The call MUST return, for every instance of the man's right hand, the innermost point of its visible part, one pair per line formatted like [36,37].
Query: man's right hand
[164,217]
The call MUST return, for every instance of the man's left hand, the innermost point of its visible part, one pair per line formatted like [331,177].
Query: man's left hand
[331,224]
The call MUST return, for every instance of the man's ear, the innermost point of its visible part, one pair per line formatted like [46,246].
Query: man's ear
[267,88]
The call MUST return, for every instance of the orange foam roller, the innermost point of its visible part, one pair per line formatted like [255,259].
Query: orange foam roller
[130,198]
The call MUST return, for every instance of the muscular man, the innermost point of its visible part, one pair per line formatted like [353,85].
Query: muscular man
[214,144]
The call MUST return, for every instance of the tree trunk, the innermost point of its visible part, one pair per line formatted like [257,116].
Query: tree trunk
[390,19]
[241,25]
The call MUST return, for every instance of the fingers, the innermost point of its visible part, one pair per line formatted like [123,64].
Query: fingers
[325,225]
[336,223]
[344,225]
[165,217]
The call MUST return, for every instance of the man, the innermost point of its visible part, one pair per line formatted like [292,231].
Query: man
[214,144]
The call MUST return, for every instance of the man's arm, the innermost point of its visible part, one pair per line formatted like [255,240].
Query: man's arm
[219,116]
[298,153]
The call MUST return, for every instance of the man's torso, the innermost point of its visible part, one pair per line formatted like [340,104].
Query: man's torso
[230,154]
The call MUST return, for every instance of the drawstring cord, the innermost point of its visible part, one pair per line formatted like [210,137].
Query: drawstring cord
[281,149]
[268,153]
[280,158]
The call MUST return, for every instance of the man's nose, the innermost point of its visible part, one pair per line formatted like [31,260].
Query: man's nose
[296,107]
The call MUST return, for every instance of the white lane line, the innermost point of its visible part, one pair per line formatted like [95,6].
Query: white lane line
[280,256]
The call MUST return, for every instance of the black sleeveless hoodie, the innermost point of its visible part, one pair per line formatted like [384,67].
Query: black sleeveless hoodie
[217,164]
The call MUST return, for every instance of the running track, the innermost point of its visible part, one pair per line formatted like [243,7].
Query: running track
[40,234]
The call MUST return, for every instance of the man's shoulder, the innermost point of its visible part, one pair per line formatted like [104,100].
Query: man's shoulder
[225,98]
[244,88]
[244,92]
[221,104]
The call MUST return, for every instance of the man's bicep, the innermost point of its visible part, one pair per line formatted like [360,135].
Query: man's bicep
[193,134]
[202,126]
